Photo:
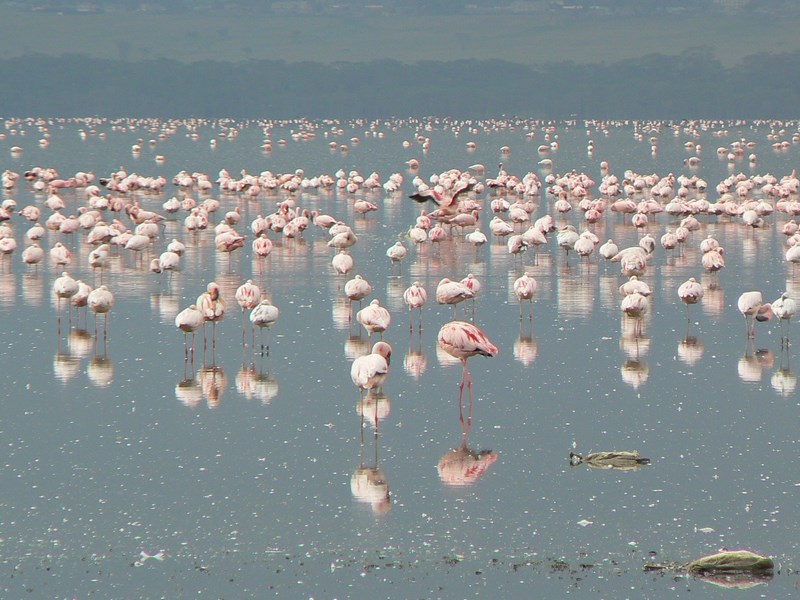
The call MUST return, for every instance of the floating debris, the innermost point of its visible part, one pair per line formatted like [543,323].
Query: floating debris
[738,569]
[742,561]
[621,459]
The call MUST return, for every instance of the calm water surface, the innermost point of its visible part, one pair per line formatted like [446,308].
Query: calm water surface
[255,475]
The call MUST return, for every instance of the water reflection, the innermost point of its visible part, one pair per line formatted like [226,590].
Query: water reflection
[213,382]
[690,350]
[463,466]
[525,346]
[753,362]
[256,384]
[415,363]
[374,407]
[368,483]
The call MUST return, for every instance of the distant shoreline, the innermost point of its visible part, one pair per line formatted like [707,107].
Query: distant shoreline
[527,38]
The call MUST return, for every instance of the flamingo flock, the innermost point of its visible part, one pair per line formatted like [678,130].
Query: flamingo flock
[123,216]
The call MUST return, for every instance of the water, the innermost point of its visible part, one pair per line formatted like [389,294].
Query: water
[255,476]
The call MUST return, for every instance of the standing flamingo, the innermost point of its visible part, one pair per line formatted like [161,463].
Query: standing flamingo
[212,306]
[525,288]
[101,300]
[415,296]
[342,262]
[753,309]
[690,292]
[247,297]
[264,315]
[375,318]
[784,308]
[369,372]
[64,287]
[452,292]
[189,320]
[461,340]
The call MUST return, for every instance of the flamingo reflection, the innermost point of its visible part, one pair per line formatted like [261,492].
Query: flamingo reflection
[368,484]
[463,466]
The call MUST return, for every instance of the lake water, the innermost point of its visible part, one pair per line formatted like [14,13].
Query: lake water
[130,472]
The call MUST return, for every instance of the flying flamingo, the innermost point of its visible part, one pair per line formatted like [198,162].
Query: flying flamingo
[189,320]
[264,315]
[461,340]
[415,296]
[369,372]
[753,309]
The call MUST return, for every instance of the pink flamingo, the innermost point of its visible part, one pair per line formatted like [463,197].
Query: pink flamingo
[374,318]
[189,320]
[452,292]
[525,288]
[690,292]
[369,372]
[461,340]
[212,307]
[415,296]
[247,297]
[101,300]
[753,309]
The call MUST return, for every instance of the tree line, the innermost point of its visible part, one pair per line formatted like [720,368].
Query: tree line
[691,85]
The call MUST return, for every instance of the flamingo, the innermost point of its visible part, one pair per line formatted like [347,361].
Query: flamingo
[452,292]
[784,308]
[357,288]
[415,296]
[189,320]
[374,318]
[753,309]
[462,340]
[64,287]
[690,292]
[101,300]
[264,315]
[525,287]
[369,372]
[396,253]
[212,306]
[247,297]
[342,262]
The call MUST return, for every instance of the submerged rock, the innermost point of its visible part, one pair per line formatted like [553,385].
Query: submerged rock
[620,459]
